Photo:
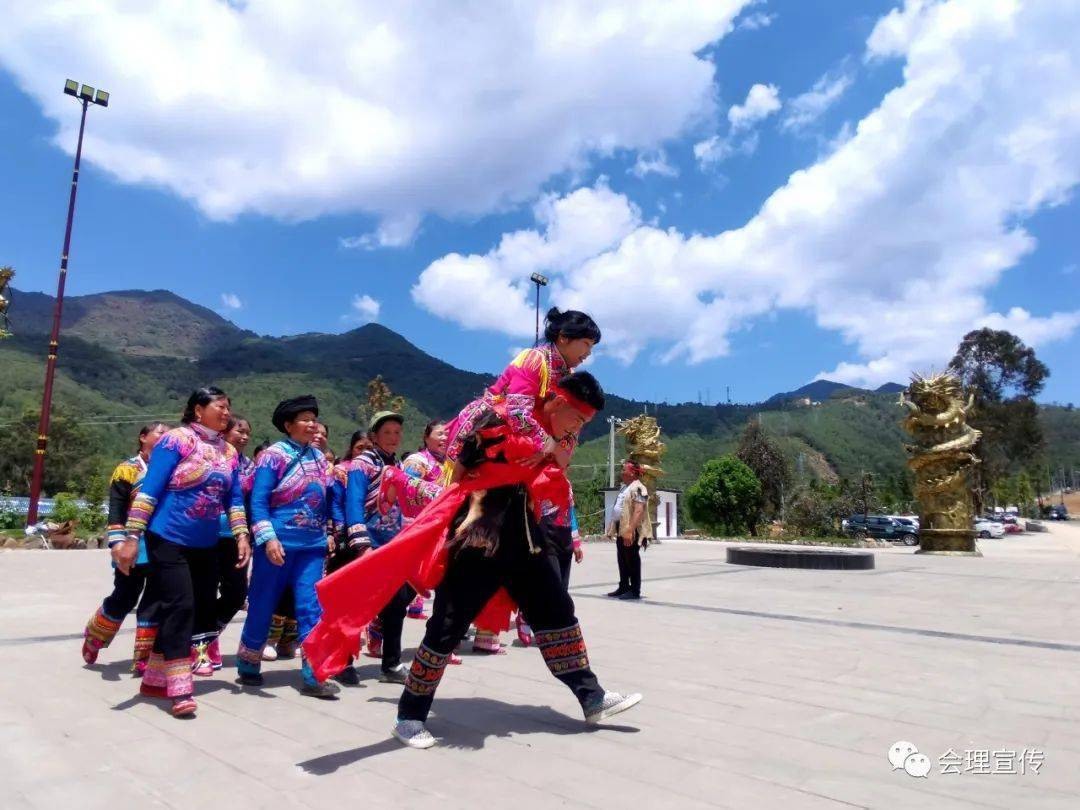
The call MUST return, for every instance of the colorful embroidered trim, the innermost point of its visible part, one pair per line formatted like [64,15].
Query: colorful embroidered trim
[238,521]
[178,680]
[101,628]
[144,643]
[563,650]
[154,676]
[426,672]
[263,531]
[140,512]
[249,656]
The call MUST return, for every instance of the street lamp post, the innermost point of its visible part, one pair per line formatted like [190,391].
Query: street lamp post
[539,281]
[85,95]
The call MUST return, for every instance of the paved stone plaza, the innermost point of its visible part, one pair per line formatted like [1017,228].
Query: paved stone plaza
[763,688]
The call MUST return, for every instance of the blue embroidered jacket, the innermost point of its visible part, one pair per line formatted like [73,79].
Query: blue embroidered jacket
[289,498]
[363,517]
[191,479]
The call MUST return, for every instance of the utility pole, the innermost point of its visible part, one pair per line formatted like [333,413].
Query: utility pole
[612,421]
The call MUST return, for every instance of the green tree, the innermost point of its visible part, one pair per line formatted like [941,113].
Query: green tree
[762,456]
[71,457]
[726,497]
[1004,376]
[379,398]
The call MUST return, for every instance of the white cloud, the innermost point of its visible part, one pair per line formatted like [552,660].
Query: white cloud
[391,233]
[804,109]
[268,108]
[755,21]
[893,240]
[655,162]
[365,309]
[231,301]
[761,101]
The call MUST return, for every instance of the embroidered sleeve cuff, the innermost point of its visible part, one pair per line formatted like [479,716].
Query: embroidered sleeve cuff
[237,521]
[142,508]
[358,535]
[115,533]
[263,532]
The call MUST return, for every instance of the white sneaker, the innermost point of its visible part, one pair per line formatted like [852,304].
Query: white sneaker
[269,653]
[413,734]
[611,704]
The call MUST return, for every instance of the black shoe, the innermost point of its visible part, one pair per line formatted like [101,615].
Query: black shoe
[629,595]
[323,691]
[250,680]
[618,592]
[348,676]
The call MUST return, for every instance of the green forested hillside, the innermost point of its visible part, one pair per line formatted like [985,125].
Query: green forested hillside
[111,376]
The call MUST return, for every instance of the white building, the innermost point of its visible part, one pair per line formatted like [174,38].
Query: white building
[666,519]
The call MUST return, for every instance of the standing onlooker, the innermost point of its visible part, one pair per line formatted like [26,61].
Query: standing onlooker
[631,528]
[193,476]
[373,522]
[128,588]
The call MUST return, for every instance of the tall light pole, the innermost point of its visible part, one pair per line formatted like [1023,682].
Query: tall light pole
[612,422]
[85,95]
[539,281]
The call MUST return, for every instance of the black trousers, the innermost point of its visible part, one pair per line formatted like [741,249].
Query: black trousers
[629,559]
[185,582]
[392,620]
[534,581]
[126,593]
[232,581]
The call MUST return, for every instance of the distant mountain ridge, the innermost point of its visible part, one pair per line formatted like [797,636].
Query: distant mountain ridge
[821,390]
[129,355]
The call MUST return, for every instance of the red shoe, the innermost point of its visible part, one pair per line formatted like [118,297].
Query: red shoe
[374,648]
[146,690]
[90,649]
[455,658]
[138,668]
[184,706]
[213,652]
[524,632]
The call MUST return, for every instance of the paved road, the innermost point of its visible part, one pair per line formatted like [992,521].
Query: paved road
[764,688]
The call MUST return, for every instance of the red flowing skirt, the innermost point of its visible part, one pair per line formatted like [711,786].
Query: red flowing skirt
[354,595]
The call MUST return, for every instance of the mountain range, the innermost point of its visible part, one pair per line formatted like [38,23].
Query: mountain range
[132,355]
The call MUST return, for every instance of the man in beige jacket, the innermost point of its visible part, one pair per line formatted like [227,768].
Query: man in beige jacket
[631,528]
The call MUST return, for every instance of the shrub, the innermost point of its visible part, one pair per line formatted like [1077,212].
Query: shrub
[726,497]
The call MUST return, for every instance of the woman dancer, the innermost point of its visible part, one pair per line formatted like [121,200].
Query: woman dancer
[129,587]
[232,578]
[426,468]
[193,476]
[289,512]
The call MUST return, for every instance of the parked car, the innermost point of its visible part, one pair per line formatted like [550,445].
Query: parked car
[1013,528]
[1058,512]
[989,528]
[881,527]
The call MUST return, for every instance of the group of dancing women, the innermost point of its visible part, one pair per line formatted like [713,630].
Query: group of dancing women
[328,556]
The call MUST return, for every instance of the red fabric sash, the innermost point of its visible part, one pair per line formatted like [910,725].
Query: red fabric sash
[352,596]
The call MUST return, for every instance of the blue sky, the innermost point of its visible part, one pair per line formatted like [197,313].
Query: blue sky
[874,271]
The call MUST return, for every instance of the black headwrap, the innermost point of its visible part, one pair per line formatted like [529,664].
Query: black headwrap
[288,409]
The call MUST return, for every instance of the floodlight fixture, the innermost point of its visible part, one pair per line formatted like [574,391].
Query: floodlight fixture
[539,280]
[87,92]
[102,98]
[71,87]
